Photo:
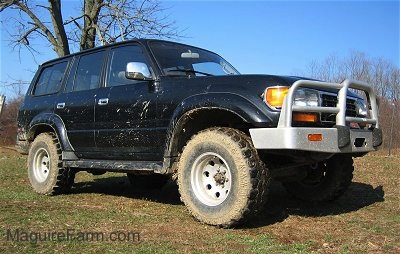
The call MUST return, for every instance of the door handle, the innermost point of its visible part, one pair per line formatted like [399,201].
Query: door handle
[103,102]
[60,105]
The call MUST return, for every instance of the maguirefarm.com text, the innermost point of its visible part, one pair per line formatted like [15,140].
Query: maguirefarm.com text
[20,235]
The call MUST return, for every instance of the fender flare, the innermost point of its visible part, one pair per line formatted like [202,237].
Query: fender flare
[234,103]
[230,102]
[56,123]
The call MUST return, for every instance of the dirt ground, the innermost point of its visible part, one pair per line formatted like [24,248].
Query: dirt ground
[8,151]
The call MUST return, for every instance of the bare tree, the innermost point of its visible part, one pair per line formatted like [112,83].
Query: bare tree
[8,111]
[29,24]
[98,22]
[15,88]
[357,66]
[330,69]
[379,72]
[8,121]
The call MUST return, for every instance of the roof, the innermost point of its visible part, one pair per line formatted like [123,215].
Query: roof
[142,41]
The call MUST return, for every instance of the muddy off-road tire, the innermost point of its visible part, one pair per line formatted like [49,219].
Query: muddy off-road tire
[147,182]
[328,181]
[45,171]
[221,179]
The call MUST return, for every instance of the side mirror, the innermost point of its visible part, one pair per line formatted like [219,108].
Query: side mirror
[137,71]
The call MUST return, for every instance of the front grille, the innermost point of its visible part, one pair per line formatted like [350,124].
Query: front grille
[331,101]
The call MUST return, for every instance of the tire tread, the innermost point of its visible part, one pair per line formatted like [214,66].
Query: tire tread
[258,172]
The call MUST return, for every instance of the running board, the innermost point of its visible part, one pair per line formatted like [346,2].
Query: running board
[115,166]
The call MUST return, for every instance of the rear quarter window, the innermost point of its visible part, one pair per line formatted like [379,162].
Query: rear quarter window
[50,79]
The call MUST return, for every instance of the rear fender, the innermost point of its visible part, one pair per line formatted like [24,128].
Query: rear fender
[53,121]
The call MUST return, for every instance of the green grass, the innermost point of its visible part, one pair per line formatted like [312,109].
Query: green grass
[365,220]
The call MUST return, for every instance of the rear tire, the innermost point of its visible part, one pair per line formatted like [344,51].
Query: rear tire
[45,171]
[328,181]
[221,179]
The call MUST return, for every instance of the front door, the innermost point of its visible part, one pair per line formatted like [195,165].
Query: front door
[125,111]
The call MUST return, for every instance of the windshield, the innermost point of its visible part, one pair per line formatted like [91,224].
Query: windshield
[182,60]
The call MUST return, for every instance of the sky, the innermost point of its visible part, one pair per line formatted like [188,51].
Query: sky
[265,37]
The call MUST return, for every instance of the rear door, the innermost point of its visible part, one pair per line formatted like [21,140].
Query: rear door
[43,95]
[125,114]
[76,105]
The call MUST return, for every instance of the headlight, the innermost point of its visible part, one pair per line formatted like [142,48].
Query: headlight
[361,108]
[274,96]
[306,98]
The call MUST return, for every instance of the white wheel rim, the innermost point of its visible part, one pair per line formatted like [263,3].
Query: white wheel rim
[211,179]
[41,165]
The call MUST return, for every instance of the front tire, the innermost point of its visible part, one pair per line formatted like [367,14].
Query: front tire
[326,182]
[221,179]
[45,171]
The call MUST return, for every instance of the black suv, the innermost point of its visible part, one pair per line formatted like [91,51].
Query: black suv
[156,109]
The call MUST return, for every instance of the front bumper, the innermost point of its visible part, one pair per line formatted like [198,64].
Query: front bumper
[340,139]
[334,140]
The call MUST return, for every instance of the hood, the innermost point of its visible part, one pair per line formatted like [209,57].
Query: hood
[263,81]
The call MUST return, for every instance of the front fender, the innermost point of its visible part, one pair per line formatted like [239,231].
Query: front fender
[53,121]
[234,103]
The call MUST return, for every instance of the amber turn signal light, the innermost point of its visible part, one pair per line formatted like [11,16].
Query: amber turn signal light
[274,96]
[302,117]
[315,137]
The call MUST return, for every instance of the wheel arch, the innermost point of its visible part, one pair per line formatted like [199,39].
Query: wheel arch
[49,123]
[209,110]
[195,120]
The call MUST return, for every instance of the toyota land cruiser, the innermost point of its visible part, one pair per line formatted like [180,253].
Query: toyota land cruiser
[156,109]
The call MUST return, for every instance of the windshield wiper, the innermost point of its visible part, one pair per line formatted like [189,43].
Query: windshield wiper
[191,71]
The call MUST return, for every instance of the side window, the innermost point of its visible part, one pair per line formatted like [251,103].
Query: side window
[88,72]
[118,59]
[50,79]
